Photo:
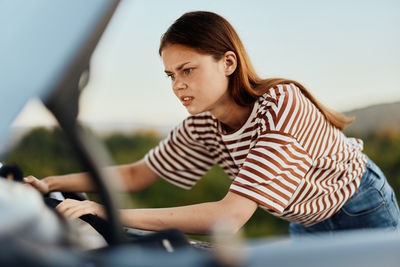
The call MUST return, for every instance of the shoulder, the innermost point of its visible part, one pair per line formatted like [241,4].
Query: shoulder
[281,92]
[279,104]
[279,97]
[194,126]
[200,121]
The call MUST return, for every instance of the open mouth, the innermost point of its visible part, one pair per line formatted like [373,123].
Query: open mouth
[187,100]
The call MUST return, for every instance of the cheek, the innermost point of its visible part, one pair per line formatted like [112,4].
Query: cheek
[215,79]
[219,83]
[220,77]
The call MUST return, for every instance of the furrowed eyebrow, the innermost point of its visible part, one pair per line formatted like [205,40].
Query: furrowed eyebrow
[178,68]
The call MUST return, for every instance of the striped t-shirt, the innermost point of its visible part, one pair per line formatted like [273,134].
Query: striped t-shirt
[286,157]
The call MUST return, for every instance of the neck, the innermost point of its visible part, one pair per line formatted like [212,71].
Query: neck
[233,117]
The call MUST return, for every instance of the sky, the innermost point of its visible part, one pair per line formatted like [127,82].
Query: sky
[345,52]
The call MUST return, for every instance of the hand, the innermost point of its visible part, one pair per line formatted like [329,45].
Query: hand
[72,209]
[40,185]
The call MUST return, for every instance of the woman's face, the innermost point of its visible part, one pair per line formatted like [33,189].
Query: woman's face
[198,80]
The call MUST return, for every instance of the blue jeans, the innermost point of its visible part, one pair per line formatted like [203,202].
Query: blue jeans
[373,205]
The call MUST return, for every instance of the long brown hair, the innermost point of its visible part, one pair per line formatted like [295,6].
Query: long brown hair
[211,34]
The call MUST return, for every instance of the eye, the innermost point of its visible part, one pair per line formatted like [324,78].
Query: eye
[188,71]
[171,76]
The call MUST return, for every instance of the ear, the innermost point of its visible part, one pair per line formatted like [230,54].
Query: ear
[230,62]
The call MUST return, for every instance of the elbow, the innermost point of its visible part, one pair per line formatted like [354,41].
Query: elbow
[227,225]
[235,229]
[234,212]
[237,222]
[230,223]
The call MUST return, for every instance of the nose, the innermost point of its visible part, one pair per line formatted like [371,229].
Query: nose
[178,84]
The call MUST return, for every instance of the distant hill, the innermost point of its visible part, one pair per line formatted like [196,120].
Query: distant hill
[369,119]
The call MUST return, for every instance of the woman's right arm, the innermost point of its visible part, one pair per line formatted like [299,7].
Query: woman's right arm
[134,177]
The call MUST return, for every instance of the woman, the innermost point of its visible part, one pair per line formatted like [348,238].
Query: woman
[284,151]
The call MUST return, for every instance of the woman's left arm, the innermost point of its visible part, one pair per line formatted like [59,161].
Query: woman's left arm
[192,219]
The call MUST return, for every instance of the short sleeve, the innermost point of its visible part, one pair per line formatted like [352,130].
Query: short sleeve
[180,158]
[272,171]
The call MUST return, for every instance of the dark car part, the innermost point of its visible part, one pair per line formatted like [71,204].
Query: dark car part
[11,172]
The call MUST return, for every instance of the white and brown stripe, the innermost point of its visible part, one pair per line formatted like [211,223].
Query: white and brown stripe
[286,157]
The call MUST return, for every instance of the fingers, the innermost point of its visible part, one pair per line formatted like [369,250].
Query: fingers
[72,209]
[33,181]
[29,179]
[36,183]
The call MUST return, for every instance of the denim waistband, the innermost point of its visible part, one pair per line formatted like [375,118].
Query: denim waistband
[371,174]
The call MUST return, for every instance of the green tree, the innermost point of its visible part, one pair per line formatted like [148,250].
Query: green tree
[43,152]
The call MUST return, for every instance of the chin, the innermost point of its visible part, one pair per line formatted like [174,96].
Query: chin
[193,111]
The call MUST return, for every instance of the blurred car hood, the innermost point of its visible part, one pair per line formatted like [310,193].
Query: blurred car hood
[43,44]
